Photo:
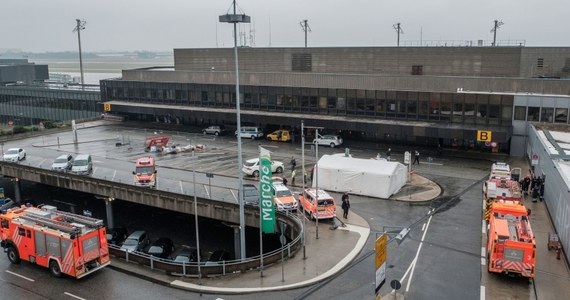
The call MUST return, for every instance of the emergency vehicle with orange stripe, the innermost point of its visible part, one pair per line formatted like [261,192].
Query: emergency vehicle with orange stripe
[319,205]
[66,243]
[145,172]
[511,247]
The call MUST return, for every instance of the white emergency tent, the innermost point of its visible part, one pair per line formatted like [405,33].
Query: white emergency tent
[368,177]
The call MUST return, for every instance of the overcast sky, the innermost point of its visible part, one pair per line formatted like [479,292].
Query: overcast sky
[46,25]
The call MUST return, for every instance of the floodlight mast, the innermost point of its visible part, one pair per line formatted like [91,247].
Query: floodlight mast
[497,25]
[305,27]
[235,18]
[399,31]
[80,26]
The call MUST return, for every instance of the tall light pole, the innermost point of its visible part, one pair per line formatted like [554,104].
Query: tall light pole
[80,26]
[494,31]
[235,18]
[196,216]
[399,31]
[305,27]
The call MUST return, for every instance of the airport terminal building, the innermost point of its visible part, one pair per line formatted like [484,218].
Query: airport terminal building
[418,95]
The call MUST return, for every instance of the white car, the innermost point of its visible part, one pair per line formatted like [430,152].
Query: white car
[328,140]
[14,155]
[251,167]
[62,163]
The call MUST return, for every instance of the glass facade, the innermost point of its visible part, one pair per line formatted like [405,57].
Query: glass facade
[25,105]
[460,108]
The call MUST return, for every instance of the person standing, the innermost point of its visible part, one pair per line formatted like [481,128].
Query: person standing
[345,205]
[416,157]
[293,163]
[284,181]
[388,154]
[293,174]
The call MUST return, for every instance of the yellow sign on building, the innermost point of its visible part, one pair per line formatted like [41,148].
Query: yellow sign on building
[483,136]
[107,107]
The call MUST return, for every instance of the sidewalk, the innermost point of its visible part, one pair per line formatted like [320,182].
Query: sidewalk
[325,256]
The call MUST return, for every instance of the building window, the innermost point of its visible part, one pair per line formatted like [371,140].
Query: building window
[301,62]
[540,63]
[546,114]
[561,115]
[417,70]
[533,114]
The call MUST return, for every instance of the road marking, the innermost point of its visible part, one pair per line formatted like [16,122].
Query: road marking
[72,295]
[423,227]
[482,292]
[40,164]
[206,189]
[115,173]
[21,276]
[269,146]
[413,265]
[181,188]
[484,227]
[483,256]
[235,197]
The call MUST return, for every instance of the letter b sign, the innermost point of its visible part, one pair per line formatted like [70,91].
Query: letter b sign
[483,136]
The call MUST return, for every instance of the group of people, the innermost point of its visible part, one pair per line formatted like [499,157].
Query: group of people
[533,185]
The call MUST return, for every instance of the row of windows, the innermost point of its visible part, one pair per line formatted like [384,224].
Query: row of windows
[448,107]
[26,110]
[541,114]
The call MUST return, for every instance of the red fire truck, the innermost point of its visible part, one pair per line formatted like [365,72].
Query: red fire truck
[156,142]
[503,190]
[65,243]
[145,172]
[511,246]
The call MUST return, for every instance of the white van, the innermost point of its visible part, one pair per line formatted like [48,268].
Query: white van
[250,132]
[82,165]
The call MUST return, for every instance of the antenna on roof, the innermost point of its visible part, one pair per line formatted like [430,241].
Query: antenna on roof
[305,27]
[399,31]
[494,31]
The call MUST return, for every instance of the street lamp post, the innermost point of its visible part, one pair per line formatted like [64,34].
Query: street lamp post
[196,216]
[80,26]
[234,19]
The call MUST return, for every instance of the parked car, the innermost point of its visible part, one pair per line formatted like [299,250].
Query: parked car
[14,155]
[250,132]
[218,257]
[136,242]
[116,236]
[7,203]
[250,195]
[162,248]
[187,254]
[328,140]
[326,207]
[251,167]
[82,165]
[62,163]
[214,129]
[282,135]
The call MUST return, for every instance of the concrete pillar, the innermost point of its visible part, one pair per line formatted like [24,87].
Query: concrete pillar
[237,244]
[17,194]
[109,211]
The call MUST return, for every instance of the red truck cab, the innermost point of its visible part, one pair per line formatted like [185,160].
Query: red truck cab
[145,172]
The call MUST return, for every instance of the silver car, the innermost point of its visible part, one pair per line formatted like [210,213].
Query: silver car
[328,140]
[62,163]
[214,129]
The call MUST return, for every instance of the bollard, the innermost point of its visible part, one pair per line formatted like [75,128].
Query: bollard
[558,252]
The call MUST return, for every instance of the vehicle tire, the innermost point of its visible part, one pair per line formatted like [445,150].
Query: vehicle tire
[13,255]
[54,268]
[253,137]
[255,174]
[312,216]
[279,170]
[332,145]
[216,133]
[204,132]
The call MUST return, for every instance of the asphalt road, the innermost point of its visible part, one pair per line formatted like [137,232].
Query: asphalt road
[439,259]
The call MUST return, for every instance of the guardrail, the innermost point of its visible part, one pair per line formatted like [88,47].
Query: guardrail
[294,230]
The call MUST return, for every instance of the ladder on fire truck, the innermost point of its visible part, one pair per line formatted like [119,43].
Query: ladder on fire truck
[59,225]
[92,222]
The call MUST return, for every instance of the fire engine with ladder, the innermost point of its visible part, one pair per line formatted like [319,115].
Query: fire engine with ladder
[66,243]
[511,246]
[500,190]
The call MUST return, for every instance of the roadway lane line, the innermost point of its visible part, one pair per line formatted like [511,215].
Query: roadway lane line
[72,295]
[482,292]
[41,163]
[424,227]
[21,276]
[484,227]
[114,173]
[206,189]
[483,256]
[418,254]
[181,188]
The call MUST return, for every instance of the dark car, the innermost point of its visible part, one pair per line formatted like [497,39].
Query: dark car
[162,248]
[218,257]
[250,195]
[187,254]
[7,203]
[116,236]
